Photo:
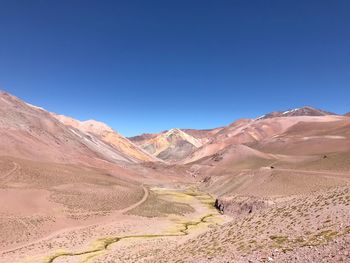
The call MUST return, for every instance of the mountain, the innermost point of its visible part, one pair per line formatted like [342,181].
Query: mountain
[176,144]
[143,138]
[304,111]
[243,131]
[266,130]
[109,136]
[275,187]
[203,135]
[255,132]
[347,114]
[202,143]
[310,136]
[172,145]
[31,132]
[57,173]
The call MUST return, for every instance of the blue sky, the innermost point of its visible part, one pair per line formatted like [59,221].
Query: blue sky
[146,66]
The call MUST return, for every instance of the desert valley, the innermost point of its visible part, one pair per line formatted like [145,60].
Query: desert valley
[271,189]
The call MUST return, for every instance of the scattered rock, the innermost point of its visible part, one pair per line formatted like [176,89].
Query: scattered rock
[240,205]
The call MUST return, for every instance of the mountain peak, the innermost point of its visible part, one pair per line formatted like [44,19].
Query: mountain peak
[171,145]
[174,131]
[303,111]
[96,126]
[179,133]
[91,126]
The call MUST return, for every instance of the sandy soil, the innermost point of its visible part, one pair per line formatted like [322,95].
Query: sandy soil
[41,198]
[77,244]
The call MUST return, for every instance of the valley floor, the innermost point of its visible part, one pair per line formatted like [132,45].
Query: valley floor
[62,213]
[134,234]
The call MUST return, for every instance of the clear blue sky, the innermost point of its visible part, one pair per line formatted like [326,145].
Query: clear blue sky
[146,66]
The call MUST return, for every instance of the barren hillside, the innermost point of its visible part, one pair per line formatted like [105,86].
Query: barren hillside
[271,189]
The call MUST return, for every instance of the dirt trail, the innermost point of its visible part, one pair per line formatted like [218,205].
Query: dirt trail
[144,198]
[188,224]
[66,230]
[183,229]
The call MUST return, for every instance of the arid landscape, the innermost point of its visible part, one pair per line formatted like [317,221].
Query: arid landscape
[271,189]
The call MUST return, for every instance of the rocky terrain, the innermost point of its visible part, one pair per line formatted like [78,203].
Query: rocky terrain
[31,132]
[308,228]
[271,189]
[108,135]
[304,111]
[172,145]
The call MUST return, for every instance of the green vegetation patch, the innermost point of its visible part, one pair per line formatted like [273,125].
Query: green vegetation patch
[279,239]
[155,206]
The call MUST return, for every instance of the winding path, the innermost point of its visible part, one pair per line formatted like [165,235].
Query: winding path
[144,198]
[183,228]
[64,230]
[103,244]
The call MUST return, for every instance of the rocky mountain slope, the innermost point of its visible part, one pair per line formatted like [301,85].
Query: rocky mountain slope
[267,129]
[143,138]
[309,228]
[304,111]
[31,132]
[172,145]
[109,136]
[280,181]
[264,134]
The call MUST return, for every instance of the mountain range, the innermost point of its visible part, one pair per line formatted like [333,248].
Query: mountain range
[65,183]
